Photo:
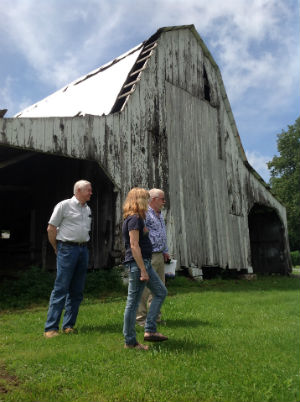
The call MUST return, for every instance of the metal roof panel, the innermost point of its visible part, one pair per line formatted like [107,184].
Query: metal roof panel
[94,93]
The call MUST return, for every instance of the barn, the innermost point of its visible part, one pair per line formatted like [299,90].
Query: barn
[156,116]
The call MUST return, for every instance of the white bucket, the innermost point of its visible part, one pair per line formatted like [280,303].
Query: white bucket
[170,268]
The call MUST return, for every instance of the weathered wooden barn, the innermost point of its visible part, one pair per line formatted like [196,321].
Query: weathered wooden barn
[157,116]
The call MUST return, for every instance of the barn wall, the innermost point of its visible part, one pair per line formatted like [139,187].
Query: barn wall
[198,187]
[211,189]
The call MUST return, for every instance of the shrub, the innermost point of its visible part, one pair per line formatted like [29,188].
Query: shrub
[295,255]
[102,281]
[34,286]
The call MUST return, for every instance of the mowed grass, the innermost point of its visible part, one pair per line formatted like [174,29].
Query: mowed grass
[229,340]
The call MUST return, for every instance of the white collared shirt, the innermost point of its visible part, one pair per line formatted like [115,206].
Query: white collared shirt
[72,220]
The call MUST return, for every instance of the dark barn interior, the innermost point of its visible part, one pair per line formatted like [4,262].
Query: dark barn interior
[31,184]
[267,241]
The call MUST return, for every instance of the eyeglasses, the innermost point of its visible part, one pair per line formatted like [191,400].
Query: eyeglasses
[161,198]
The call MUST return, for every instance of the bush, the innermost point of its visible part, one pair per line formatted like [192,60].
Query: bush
[33,286]
[295,255]
[102,281]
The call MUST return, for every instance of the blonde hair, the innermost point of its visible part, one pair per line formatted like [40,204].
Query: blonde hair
[136,203]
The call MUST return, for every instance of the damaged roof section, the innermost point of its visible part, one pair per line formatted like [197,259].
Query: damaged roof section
[95,93]
[134,76]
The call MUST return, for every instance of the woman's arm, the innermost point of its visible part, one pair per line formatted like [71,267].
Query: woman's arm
[134,236]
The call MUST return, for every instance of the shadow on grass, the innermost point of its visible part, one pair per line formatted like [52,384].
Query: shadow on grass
[180,345]
[104,299]
[183,285]
[116,327]
[187,323]
[102,329]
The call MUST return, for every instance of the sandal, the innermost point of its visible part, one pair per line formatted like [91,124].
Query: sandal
[138,346]
[155,337]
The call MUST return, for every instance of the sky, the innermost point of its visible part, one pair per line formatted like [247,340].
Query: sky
[46,44]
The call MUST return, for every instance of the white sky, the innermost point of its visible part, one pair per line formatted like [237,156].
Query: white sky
[45,45]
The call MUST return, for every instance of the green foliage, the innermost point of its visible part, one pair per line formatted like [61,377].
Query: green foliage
[285,178]
[103,282]
[34,286]
[295,255]
[232,341]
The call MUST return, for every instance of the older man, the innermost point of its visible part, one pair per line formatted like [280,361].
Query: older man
[68,233]
[157,233]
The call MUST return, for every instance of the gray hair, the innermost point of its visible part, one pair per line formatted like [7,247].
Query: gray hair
[80,184]
[155,192]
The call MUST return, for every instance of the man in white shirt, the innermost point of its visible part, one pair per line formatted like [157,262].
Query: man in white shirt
[68,232]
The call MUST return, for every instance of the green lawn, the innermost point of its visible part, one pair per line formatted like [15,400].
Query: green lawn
[229,340]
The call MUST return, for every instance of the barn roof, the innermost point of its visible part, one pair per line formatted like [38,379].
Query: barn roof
[97,93]
[94,93]
[108,88]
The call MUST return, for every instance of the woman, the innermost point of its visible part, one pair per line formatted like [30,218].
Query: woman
[138,252]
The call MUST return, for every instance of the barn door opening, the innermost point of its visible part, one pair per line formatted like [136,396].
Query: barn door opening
[31,184]
[268,251]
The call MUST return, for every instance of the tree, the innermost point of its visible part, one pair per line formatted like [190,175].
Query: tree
[285,178]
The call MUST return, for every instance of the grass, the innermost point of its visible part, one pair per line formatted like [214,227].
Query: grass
[229,340]
[296,270]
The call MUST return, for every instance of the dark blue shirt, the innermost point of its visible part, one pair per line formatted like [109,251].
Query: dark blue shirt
[134,222]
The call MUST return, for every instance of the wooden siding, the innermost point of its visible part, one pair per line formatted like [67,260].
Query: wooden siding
[208,181]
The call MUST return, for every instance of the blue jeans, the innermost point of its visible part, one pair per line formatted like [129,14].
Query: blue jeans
[135,290]
[72,263]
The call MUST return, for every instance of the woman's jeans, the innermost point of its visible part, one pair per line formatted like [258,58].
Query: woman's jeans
[72,263]
[135,290]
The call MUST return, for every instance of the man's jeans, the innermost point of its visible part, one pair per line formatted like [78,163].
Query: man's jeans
[72,263]
[135,290]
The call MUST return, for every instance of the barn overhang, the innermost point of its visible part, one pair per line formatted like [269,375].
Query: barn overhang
[38,168]
[85,137]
